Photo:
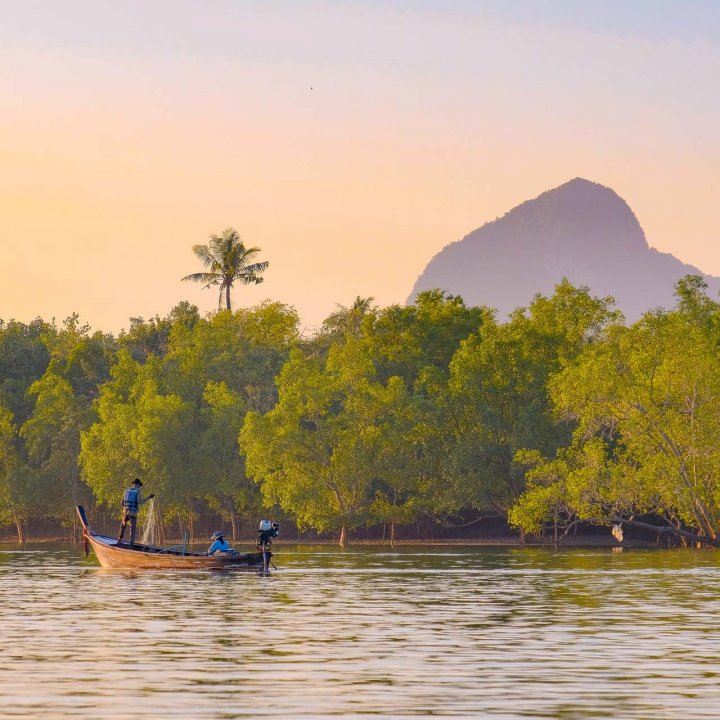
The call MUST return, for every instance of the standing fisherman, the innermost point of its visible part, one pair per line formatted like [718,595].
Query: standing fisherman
[132,500]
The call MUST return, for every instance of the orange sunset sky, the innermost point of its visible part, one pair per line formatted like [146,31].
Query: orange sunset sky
[351,141]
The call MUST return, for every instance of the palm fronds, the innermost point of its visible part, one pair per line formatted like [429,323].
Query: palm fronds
[226,258]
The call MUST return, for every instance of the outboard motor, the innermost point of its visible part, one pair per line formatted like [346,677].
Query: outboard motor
[268,530]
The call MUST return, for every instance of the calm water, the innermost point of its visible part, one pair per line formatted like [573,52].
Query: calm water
[446,632]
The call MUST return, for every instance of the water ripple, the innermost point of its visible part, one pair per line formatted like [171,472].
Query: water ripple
[460,632]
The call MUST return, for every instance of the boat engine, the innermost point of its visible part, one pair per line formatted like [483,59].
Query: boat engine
[268,530]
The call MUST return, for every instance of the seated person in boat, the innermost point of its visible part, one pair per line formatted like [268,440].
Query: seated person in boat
[219,545]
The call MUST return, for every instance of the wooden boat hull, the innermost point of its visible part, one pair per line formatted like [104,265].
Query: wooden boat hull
[112,554]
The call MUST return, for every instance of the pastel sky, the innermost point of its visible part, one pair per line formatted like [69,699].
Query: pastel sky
[351,141]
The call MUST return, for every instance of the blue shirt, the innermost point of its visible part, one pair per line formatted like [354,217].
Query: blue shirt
[220,545]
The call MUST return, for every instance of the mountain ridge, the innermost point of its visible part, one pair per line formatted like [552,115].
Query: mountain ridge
[580,230]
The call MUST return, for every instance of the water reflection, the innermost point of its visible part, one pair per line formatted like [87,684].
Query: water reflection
[448,632]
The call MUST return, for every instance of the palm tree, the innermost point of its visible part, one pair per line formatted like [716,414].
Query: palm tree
[226,259]
[347,321]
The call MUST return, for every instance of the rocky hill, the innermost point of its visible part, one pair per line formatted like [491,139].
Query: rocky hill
[582,231]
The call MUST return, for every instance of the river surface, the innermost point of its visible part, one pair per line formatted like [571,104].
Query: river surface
[366,632]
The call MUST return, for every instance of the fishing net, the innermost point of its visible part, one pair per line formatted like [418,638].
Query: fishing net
[151,524]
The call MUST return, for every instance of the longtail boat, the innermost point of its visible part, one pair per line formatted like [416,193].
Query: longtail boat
[122,555]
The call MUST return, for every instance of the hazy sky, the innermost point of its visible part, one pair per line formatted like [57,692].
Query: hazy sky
[351,141]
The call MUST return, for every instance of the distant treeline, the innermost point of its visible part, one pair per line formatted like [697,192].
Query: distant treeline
[385,419]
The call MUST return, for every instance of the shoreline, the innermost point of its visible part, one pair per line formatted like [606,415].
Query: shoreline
[590,541]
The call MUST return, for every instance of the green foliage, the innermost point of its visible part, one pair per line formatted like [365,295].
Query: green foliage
[174,418]
[107,457]
[145,338]
[346,322]
[328,447]
[229,492]
[645,402]
[499,389]
[24,357]
[52,443]
[15,500]
[58,375]
[309,455]
[406,340]
[560,415]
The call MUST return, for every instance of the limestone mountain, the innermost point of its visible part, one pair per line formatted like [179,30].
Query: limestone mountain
[582,231]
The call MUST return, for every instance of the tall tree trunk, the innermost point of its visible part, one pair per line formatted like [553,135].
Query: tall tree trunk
[227,296]
[342,542]
[233,522]
[392,534]
[19,526]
